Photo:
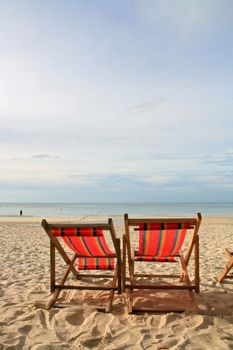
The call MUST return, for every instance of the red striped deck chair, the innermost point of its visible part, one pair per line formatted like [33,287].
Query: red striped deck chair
[91,252]
[225,273]
[160,241]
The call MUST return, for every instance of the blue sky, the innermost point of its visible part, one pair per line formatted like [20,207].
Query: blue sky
[116,100]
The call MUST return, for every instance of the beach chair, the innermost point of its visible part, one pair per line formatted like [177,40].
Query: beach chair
[87,243]
[160,241]
[225,272]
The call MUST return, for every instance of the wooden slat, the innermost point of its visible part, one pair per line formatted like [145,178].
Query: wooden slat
[102,226]
[157,286]
[91,275]
[85,287]
[165,229]
[159,310]
[137,221]
[156,276]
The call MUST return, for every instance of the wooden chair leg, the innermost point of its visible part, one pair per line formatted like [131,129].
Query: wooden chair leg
[182,277]
[227,268]
[131,271]
[62,282]
[63,254]
[188,283]
[111,294]
[52,267]
[196,267]
[130,306]
[124,264]
[119,265]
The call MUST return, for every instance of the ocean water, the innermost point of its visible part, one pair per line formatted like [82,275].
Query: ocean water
[108,209]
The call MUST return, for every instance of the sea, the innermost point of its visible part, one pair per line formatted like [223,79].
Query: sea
[112,209]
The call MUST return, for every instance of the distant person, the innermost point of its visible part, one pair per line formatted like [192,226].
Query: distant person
[21,213]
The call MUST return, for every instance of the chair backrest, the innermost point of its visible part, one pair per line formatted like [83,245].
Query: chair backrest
[161,237]
[85,239]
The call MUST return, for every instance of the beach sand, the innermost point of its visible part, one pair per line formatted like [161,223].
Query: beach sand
[24,281]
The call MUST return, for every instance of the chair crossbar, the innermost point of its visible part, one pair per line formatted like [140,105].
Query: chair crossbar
[163,227]
[87,225]
[91,275]
[158,286]
[137,221]
[57,286]
[156,275]
[159,311]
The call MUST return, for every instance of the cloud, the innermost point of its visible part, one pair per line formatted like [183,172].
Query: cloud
[44,156]
[10,133]
[146,106]
[225,158]
[188,19]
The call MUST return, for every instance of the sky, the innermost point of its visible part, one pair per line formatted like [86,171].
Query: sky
[116,101]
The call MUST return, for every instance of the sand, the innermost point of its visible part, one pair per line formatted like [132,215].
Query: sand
[24,281]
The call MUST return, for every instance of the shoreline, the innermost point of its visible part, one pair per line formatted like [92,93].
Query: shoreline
[35,219]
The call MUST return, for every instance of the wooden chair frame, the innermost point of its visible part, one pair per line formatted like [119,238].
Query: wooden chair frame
[184,261]
[225,272]
[55,245]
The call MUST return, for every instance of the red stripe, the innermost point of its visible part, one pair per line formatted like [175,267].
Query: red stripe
[88,246]
[92,264]
[161,243]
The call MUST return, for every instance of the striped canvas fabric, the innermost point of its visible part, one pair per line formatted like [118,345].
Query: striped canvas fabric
[90,247]
[96,264]
[160,242]
[76,231]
